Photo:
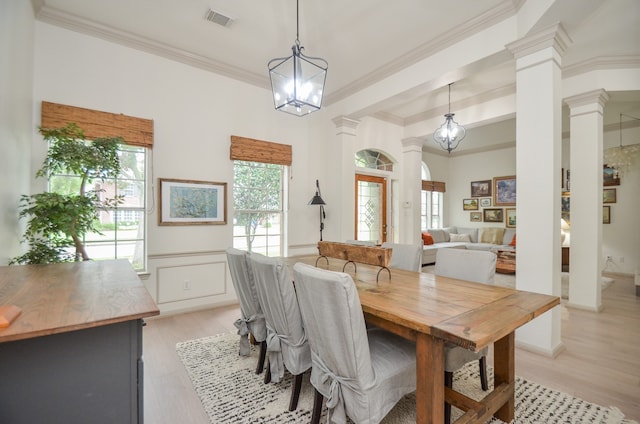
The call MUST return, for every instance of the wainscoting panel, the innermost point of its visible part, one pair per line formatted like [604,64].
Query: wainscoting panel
[183,282]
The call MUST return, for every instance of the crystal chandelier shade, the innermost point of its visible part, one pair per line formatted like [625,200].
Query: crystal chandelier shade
[450,134]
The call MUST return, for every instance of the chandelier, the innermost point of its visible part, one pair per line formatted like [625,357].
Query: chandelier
[450,134]
[621,157]
[297,81]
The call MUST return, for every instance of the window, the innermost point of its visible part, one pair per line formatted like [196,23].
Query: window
[373,160]
[432,200]
[122,226]
[258,199]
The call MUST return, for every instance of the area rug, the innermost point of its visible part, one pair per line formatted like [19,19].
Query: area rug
[509,280]
[231,392]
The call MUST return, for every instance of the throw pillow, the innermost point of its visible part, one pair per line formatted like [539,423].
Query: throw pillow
[427,239]
[513,241]
[439,236]
[460,237]
[492,235]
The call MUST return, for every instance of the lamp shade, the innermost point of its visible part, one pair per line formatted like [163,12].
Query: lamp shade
[317,200]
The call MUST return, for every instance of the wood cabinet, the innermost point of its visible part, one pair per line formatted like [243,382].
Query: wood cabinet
[565,258]
[74,355]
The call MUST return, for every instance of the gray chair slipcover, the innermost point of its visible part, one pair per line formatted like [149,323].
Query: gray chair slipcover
[287,345]
[405,256]
[252,319]
[469,265]
[361,373]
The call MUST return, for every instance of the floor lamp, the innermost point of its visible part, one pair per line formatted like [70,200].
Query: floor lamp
[317,200]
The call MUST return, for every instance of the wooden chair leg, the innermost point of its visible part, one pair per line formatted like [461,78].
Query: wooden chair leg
[317,407]
[261,357]
[295,392]
[482,363]
[267,373]
[448,382]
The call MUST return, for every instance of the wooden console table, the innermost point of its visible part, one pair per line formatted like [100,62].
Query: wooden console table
[565,258]
[74,354]
[506,262]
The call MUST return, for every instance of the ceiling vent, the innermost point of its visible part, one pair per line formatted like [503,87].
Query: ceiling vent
[218,18]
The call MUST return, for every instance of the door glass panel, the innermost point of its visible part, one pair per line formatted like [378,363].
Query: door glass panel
[370,207]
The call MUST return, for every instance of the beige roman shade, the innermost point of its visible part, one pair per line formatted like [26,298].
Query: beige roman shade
[97,124]
[251,150]
[433,186]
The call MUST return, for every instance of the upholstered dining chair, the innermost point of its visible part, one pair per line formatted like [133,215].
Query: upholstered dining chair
[405,256]
[361,242]
[251,321]
[363,374]
[470,265]
[287,345]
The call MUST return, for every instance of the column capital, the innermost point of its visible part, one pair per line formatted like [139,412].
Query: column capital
[599,96]
[345,125]
[554,36]
[412,144]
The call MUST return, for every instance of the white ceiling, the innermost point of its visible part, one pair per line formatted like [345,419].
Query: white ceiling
[362,40]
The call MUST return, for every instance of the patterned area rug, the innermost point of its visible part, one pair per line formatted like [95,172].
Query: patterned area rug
[231,392]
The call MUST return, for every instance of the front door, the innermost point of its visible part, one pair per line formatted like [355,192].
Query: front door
[371,208]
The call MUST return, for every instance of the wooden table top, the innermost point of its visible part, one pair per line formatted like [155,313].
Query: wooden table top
[471,315]
[64,297]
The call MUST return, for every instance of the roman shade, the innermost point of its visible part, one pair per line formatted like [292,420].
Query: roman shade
[252,150]
[438,186]
[98,124]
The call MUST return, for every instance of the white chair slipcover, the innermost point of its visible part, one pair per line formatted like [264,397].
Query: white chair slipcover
[469,265]
[361,242]
[287,345]
[361,374]
[405,256]
[252,319]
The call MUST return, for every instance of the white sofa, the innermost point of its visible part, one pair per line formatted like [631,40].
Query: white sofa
[487,238]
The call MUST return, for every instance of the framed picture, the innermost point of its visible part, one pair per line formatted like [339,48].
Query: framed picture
[187,202]
[504,191]
[470,204]
[511,217]
[565,202]
[610,176]
[606,214]
[485,203]
[609,195]
[493,215]
[475,216]
[481,188]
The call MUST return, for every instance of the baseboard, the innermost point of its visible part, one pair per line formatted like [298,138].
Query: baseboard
[584,307]
[539,351]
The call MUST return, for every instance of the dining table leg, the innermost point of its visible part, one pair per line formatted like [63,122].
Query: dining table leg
[429,379]
[505,372]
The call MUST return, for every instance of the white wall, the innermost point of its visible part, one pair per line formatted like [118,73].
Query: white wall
[16,126]
[195,113]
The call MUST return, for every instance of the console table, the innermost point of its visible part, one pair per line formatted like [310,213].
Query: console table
[74,354]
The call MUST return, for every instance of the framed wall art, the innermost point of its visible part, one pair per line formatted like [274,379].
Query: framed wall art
[609,195]
[565,202]
[470,204]
[511,217]
[481,188]
[188,202]
[485,203]
[475,216]
[606,214]
[493,215]
[610,176]
[504,191]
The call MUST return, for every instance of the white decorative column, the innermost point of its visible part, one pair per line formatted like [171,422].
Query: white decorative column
[586,141]
[411,188]
[346,130]
[538,164]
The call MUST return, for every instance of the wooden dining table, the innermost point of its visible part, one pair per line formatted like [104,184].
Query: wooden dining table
[432,310]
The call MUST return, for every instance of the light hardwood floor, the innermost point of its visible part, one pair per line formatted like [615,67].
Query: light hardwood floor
[601,363]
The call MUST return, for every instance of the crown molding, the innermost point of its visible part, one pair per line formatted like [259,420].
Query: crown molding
[601,63]
[553,36]
[503,11]
[75,23]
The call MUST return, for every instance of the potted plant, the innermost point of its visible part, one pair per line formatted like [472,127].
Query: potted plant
[59,219]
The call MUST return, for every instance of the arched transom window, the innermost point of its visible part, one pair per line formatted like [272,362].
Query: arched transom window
[374,160]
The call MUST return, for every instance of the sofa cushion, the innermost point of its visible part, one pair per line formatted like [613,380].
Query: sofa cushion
[473,233]
[508,235]
[427,238]
[513,242]
[492,235]
[439,235]
[460,237]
